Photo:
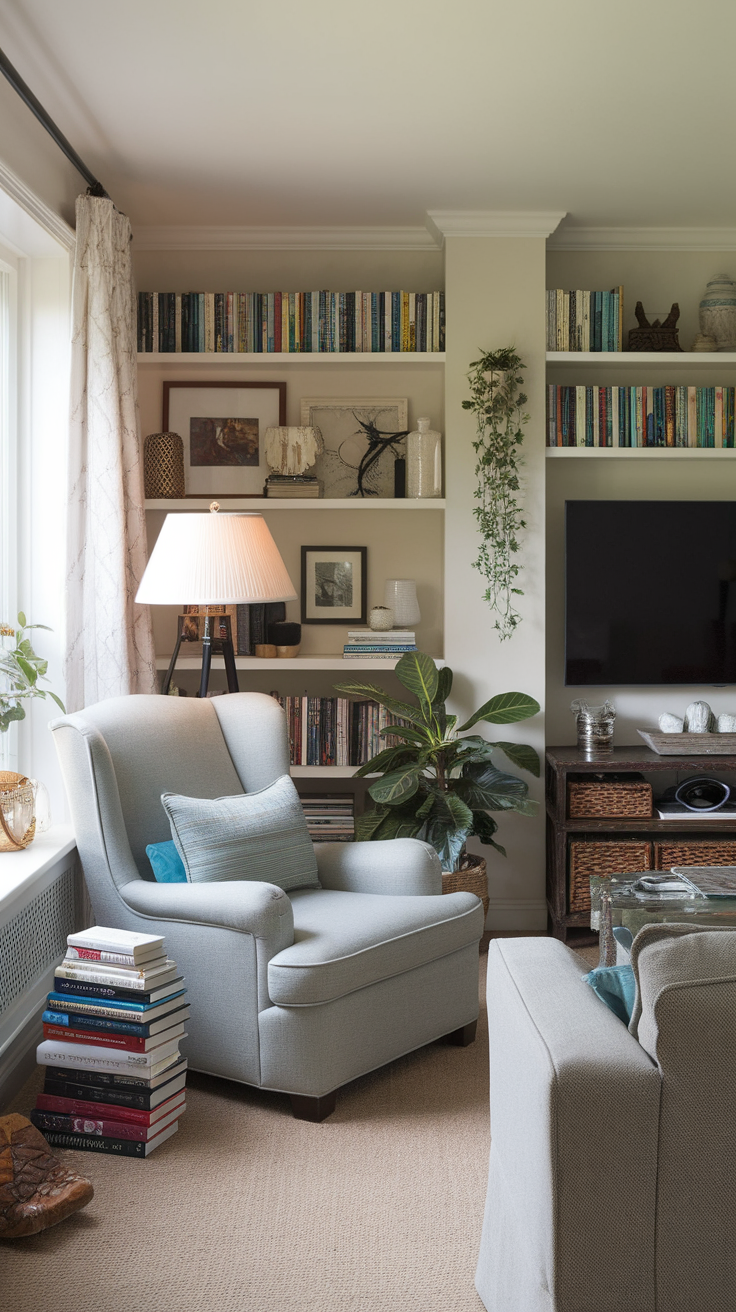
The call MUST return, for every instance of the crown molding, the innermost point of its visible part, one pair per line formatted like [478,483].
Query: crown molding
[46,218]
[187,238]
[492,223]
[643,239]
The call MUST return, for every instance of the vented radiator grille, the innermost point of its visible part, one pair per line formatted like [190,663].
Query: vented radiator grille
[36,937]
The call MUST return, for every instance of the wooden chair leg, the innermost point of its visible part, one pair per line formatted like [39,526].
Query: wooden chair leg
[313,1109]
[463,1037]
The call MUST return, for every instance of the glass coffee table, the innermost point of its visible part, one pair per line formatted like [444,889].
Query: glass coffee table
[645,897]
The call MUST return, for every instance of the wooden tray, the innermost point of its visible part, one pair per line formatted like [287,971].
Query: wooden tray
[690,744]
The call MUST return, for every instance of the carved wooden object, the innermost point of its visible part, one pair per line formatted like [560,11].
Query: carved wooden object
[655,336]
[36,1191]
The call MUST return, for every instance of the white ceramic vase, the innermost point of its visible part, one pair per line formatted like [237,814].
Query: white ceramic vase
[401,596]
[424,461]
[718,312]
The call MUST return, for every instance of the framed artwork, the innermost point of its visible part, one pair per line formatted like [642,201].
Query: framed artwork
[222,426]
[359,446]
[334,585]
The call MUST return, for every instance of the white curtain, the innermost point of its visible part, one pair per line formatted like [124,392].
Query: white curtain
[109,640]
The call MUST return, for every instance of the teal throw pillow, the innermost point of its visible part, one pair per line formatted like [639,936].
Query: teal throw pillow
[258,836]
[166,863]
[616,986]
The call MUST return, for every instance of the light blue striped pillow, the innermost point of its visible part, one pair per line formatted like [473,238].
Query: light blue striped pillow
[259,836]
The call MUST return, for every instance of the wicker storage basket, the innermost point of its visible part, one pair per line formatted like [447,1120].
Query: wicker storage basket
[694,852]
[473,879]
[604,798]
[163,465]
[591,857]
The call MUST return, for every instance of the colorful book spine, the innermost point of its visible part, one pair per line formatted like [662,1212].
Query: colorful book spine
[670,416]
[584,320]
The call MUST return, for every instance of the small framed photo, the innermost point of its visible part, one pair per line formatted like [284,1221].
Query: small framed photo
[334,585]
[354,430]
[222,426]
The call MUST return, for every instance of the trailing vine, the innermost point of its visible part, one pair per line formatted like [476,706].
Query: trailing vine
[498,404]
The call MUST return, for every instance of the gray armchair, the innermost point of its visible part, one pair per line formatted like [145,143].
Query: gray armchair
[300,992]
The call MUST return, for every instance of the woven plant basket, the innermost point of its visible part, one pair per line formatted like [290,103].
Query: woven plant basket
[590,857]
[694,852]
[14,787]
[163,465]
[472,879]
[601,800]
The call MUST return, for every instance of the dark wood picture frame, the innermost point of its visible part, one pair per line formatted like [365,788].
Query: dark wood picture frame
[211,383]
[358,613]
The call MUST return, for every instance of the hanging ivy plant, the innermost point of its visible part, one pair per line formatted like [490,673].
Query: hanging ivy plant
[498,404]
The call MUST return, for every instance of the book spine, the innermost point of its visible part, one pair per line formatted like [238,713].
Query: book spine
[71,1124]
[110,958]
[572,336]
[71,1106]
[123,979]
[62,1023]
[91,1143]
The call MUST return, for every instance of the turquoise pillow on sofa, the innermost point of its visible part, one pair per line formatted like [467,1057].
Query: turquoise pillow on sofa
[166,863]
[616,986]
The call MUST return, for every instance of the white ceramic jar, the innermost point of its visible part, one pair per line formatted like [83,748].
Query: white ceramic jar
[718,312]
[401,596]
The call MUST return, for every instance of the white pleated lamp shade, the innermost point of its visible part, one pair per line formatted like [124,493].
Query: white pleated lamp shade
[214,559]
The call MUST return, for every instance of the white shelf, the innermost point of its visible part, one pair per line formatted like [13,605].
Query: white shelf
[640,452]
[325,772]
[293,663]
[628,358]
[198,358]
[295,503]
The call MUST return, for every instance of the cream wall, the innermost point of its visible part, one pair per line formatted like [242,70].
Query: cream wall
[288,270]
[495,298]
[28,150]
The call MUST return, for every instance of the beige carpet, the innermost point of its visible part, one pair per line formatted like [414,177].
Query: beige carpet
[378,1209]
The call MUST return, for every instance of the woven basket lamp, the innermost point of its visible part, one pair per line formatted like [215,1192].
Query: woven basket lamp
[163,465]
[17,821]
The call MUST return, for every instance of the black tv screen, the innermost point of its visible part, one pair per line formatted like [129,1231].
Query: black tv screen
[650,592]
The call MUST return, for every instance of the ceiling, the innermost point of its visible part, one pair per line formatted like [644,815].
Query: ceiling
[339,112]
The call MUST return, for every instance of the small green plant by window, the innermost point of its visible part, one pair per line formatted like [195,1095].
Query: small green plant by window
[20,672]
[498,404]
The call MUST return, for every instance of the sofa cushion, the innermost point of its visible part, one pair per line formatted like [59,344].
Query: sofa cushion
[677,957]
[261,836]
[346,941]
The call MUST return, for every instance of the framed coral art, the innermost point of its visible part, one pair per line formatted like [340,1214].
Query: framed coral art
[223,426]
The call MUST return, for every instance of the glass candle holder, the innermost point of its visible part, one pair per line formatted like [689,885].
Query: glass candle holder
[594,726]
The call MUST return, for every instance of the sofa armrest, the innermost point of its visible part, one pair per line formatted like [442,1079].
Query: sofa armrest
[248,906]
[398,865]
[574,1125]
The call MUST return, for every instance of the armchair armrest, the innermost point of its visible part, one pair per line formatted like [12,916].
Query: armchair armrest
[398,865]
[248,906]
[574,1125]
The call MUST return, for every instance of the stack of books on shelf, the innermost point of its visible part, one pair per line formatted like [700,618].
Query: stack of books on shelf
[330,816]
[640,416]
[334,730]
[389,645]
[292,485]
[305,322]
[585,321]
[115,1079]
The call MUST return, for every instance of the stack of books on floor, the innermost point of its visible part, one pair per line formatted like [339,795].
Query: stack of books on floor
[293,485]
[115,1079]
[330,816]
[370,643]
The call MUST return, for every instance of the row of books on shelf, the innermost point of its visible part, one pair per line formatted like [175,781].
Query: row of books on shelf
[114,1076]
[585,321]
[330,816]
[306,322]
[640,416]
[334,730]
[390,645]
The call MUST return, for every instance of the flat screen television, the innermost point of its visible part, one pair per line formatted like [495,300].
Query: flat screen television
[650,592]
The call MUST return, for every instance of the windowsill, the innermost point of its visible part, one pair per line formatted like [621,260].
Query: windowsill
[19,871]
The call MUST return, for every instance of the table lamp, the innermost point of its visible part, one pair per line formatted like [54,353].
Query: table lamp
[213,560]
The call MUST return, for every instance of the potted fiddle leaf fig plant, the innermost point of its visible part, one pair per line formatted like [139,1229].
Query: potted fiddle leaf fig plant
[20,671]
[437,781]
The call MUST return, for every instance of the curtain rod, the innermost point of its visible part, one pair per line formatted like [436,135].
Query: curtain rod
[16,81]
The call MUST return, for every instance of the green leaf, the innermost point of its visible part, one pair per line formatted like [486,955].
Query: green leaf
[27,669]
[13,713]
[398,823]
[418,673]
[58,701]
[525,757]
[444,683]
[396,786]
[367,823]
[385,760]
[485,788]
[504,708]
[484,826]
[448,833]
[21,619]
[417,736]
[404,710]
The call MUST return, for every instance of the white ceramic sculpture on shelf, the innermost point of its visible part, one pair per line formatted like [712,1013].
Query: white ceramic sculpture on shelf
[718,312]
[726,723]
[698,718]
[401,596]
[424,461]
[671,723]
[292,450]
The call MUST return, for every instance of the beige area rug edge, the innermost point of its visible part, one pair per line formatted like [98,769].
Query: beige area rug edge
[379,1209]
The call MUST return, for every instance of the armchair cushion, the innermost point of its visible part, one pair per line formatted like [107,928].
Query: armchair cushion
[346,941]
[254,836]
